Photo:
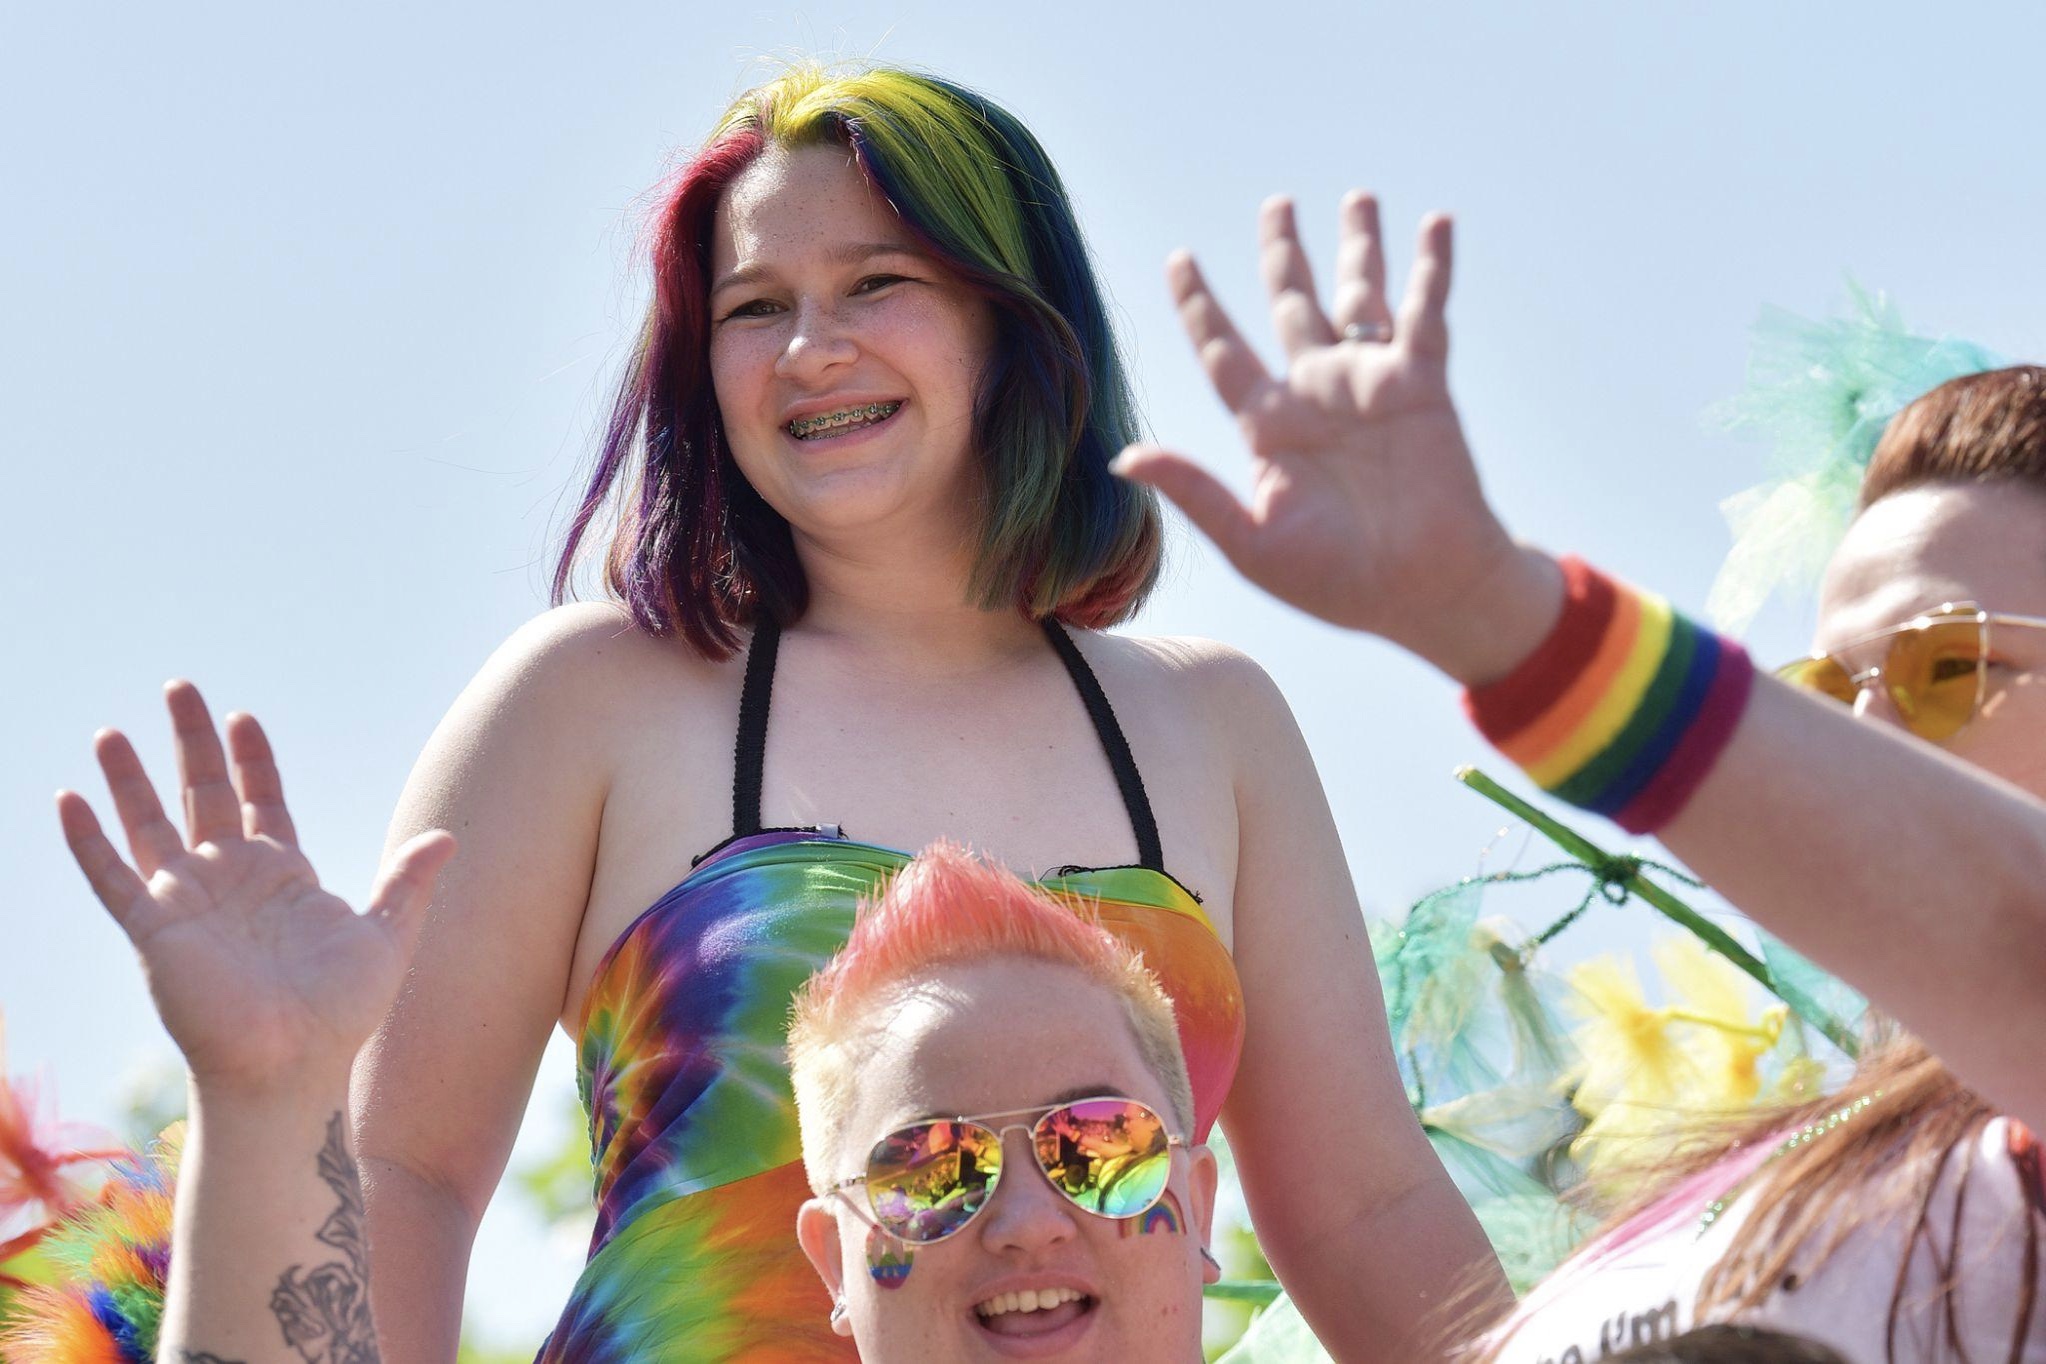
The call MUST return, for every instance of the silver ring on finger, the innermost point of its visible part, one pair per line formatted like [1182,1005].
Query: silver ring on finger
[1376,332]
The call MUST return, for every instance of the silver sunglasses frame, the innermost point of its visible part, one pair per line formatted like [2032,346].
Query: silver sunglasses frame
[863,1206]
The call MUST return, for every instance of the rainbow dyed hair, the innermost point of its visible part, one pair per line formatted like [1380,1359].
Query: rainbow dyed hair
[948,907]
[697,550]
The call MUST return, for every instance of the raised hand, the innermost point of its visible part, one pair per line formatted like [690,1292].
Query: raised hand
[1365,508]
[263,978]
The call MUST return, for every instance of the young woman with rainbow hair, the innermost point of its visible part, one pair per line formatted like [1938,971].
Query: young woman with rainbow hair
[865,534]
[700,553]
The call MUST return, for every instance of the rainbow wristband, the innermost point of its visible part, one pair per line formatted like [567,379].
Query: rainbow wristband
[1625,706]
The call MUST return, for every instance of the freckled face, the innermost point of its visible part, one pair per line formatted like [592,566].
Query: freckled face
[996,1036]
[845,360]
[1917,549]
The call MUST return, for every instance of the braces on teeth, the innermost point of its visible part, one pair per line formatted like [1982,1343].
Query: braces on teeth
[805,426]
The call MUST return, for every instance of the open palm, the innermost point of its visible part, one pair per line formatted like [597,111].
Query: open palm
[257,972]
[1364,507]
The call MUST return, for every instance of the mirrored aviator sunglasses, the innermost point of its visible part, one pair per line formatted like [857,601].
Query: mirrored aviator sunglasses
[927,1181]
[1933,669]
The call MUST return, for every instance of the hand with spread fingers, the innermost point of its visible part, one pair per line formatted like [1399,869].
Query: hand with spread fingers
[261,976]
[1365,508]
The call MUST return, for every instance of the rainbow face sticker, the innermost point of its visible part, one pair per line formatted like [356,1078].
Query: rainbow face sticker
[1165,1218]
[888,1260]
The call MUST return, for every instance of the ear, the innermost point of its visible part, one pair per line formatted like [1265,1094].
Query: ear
[1203,1177]
[817,1233]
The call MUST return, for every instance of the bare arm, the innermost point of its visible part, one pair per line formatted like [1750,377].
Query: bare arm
[1916,878]
[269,1258]
[441,1087]
[1912,875]
[1369,1236]
[268,984]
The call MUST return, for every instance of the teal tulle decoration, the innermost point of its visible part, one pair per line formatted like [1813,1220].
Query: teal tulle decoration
[1488,1142]
[1533,1231]
[1494,1074]
[1826,991]
[1487,1067]
[1280,1335]
[1821,394]
[1433,968]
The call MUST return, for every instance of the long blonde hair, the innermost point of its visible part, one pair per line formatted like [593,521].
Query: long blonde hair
[1887,1163]
[1916,1120]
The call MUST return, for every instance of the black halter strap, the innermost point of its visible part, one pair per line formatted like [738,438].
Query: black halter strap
[750,756]
[1124,763]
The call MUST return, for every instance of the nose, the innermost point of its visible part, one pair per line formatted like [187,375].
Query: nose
[1025,1213]
[817,342]
[1873,701]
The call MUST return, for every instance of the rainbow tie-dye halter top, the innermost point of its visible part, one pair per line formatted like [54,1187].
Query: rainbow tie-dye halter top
[692,1125]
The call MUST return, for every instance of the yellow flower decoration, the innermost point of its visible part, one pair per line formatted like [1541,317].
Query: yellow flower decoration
[1712,995]
[1649,1074]
[1802,1079]
[1629,1054]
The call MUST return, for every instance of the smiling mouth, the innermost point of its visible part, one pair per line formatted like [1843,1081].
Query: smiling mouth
[1032,1311]
[841,421]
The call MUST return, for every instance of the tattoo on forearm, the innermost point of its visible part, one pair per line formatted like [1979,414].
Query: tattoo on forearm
[325,1311]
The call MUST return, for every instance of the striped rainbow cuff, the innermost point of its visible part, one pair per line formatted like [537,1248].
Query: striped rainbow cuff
[1623,708]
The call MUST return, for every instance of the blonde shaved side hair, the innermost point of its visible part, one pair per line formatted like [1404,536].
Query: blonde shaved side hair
[946,908]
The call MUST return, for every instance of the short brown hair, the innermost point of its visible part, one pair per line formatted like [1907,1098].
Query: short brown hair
[1980,428]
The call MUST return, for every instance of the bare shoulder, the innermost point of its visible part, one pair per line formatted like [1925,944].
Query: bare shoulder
[554,709]
[1210,680]
[587,642]
[1210,699]
[593,659]
[1176,657]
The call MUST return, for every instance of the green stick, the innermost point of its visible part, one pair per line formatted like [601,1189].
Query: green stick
[1258,1291]
[1715,937]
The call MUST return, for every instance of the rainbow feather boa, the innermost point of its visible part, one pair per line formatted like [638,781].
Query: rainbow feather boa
[112,1258]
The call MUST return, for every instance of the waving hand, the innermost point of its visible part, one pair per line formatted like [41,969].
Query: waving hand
[257,972]
[1365,508]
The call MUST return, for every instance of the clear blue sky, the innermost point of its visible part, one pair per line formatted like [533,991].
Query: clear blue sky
[309,315]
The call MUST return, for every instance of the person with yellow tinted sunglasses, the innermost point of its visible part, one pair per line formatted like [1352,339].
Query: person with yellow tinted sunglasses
[1933,671]
[1901,1217]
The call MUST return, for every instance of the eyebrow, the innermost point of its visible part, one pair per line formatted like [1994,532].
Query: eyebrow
[851,254]
[1062,1097]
